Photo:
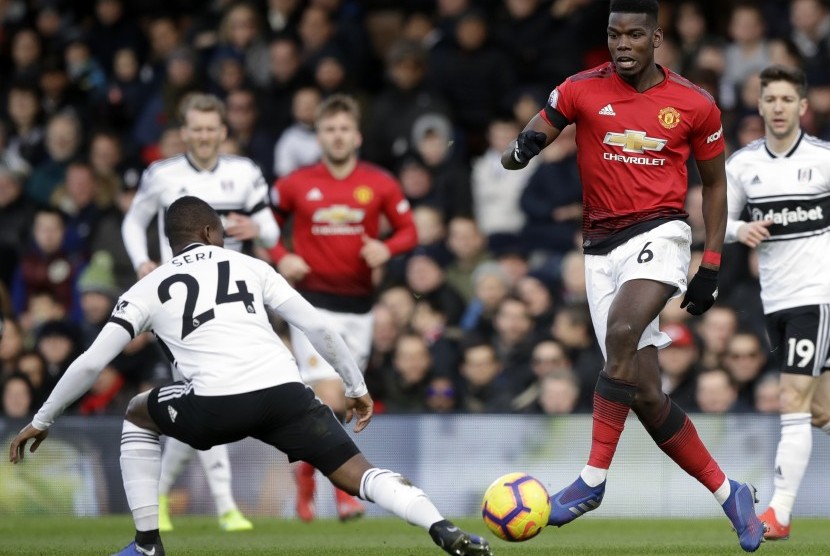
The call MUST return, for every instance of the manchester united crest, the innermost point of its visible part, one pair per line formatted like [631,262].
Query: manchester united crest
[669,117]
[363,194]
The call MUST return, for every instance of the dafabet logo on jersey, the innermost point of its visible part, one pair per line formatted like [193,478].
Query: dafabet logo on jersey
[632,141]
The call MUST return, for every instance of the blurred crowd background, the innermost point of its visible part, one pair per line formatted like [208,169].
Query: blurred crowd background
[488,314]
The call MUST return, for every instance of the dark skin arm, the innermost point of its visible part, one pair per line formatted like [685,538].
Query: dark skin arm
[713,175]
[537,123]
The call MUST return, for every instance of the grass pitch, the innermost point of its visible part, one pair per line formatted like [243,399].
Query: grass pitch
[35,536]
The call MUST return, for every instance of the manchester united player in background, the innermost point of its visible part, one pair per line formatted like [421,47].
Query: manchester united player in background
[336,206]
[636,125]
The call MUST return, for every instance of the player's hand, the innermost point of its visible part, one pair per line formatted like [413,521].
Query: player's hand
[146,268]
[241,227]
[753,233]
[374,252]
[293,268]
[528,144]
[363,407]
[18,446]
[702,291]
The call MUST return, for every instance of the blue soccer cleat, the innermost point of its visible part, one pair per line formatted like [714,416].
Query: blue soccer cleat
[740,509]
[134,549]
[573,501]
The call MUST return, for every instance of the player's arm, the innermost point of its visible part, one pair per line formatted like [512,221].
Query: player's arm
[78,379]
[404,235]
[713,175]
[537,134]
[261,223]
[703,287]
[751,233]
[145,205]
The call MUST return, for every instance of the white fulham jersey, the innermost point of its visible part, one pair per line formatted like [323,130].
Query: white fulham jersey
[235,184]
[206,307]
[792,190]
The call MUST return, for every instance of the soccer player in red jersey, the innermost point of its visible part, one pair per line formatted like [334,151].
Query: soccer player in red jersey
[336,207]
[636,125]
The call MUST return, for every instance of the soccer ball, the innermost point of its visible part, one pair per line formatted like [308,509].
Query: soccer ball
[516,507]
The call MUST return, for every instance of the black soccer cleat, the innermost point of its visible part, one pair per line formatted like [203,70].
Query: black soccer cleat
[455,541]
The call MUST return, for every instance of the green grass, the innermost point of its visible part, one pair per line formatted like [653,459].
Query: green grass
[34,536]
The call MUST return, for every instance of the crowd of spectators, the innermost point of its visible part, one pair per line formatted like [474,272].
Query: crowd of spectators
[488,314]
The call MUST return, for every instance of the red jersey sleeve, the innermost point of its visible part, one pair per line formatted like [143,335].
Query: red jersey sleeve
[396,209]
[560,105]
[707,136]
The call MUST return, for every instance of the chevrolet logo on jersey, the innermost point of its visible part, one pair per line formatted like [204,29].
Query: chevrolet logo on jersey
[338,214]
[634,141]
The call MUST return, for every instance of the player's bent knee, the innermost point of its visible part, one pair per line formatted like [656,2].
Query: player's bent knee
[139,414]
[621,337]
[348,476]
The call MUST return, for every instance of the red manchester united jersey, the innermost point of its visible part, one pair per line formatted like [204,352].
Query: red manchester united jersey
[632,146]
[330,218]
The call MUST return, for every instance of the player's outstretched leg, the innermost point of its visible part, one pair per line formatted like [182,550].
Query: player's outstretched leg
[740,509]
[394,493]
[217,466]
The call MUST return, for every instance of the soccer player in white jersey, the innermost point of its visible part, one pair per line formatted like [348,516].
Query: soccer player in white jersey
[207,306]
[783,182]
[235,188]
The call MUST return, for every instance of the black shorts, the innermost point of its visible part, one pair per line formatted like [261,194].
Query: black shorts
[801,338]
[287,417]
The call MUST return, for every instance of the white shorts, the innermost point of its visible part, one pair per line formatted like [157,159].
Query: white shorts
[661,254]
[356,331]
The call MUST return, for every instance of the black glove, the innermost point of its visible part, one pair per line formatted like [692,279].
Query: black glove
[528,144]
[702,291]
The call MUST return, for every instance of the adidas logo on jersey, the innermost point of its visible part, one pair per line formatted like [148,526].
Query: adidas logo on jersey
[607,110]
[313,195]
[173,413]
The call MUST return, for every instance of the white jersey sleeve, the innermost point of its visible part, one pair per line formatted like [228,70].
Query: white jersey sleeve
[144,207]
[328,343]
[260,211]
[82,374]
[736,200]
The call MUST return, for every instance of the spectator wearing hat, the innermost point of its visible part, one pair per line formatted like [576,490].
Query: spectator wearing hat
[678,365]
[59,343]
[426,278]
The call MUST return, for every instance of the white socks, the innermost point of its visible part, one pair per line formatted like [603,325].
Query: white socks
[215,462]
[723,491]
[593,476]
[791,461]
[394,493]
[140,466]
[217,467]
